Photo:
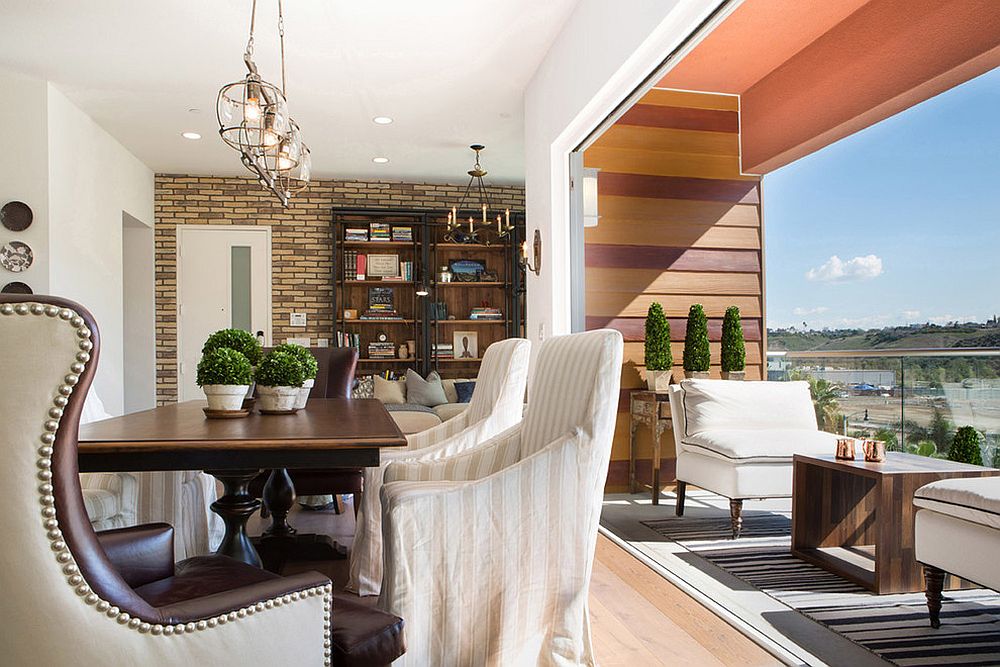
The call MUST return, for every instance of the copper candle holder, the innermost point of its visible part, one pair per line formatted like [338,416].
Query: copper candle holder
[874,451]
[845,448]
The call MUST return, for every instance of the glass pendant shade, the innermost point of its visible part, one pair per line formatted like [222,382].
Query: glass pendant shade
[253,114]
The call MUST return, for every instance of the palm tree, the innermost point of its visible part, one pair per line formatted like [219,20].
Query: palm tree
[824,398]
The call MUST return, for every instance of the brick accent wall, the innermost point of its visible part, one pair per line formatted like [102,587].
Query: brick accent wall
[301,243]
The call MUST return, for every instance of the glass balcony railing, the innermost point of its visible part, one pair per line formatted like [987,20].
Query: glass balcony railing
[913,399]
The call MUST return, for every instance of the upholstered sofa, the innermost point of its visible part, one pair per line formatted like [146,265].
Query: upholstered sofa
[412,417]
[957,532]
[737,439]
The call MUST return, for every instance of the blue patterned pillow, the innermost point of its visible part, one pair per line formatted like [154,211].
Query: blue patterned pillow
[464,390]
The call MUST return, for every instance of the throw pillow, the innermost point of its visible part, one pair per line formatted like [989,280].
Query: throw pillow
[427,392]
[389,391]
[365,388]
[449,390]
[464,391]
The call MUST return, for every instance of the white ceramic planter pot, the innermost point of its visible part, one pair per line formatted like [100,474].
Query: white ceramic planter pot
[225,396]
[304,390]
[696,375]
[277,399]
[734,375]
[658,381]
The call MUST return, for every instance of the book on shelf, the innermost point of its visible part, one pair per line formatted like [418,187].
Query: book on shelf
[443,350]
[486,313]
[355,234]
[350,265]
[381,350]
[381,298]
[402,234]
[379,231]
[361,264]
[347,339]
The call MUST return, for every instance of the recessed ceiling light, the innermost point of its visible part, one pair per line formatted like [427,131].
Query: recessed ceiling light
[191,135]
[381,120]
[380,160]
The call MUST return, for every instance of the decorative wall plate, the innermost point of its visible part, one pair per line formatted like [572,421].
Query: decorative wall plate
[16,288]
[16,256]
[16,216]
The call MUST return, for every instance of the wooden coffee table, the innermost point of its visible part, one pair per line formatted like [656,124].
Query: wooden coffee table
[856,519]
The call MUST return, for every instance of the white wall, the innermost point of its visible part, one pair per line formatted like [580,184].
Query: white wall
[24,170]
[92,180]
[602,54]
[139,314]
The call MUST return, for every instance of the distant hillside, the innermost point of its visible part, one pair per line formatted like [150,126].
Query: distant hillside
[970,334]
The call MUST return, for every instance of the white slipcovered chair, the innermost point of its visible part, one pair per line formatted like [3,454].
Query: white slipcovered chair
[181,498]
[75,597]
[497,403]
[737,439]
[488,553]
[957,531]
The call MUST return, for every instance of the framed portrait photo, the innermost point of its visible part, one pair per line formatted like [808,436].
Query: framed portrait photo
[466,344]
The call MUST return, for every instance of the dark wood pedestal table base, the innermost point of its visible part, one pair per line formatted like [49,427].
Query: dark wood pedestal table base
[856,519]
[329,433]
[280,541]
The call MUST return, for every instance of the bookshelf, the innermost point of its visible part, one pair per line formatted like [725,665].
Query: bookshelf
[453,347]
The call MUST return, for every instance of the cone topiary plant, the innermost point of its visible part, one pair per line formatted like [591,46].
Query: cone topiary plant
[734,352]
[658,358]
[697,355]
[965,446]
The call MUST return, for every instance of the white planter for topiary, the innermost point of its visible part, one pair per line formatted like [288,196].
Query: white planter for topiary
[225,396]
[658,381]
[304,393]
[277,399]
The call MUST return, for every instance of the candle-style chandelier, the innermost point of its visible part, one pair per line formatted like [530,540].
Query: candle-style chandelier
[487,225]
[254,120]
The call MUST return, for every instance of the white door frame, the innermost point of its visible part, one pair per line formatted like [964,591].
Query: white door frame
[180,229]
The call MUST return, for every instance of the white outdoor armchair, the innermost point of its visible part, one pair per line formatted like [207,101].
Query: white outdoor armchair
[497,404]
[488,553]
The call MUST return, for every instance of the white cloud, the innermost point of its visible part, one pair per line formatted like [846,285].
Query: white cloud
[911,315]
[836,270]
[805,312]
[946,319]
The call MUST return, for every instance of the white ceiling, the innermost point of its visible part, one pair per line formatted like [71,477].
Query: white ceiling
[449,72]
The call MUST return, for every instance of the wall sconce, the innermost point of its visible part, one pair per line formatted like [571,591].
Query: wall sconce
[535,266]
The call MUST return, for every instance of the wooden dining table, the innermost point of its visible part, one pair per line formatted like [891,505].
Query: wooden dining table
[328,433]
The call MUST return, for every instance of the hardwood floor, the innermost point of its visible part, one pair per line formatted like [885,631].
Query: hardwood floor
[637,617]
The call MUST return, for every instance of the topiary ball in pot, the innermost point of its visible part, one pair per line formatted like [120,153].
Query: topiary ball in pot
[734,351]
[697,354]
[279,377]
[309,365]
[965,446]
[225,376]
[242,341]
[658,358]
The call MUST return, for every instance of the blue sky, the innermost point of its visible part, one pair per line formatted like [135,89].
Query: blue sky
[896,224]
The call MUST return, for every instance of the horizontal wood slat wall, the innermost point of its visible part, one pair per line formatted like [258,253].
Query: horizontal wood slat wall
[680,224]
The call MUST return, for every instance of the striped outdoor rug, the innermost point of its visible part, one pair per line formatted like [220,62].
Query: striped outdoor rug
[894,627]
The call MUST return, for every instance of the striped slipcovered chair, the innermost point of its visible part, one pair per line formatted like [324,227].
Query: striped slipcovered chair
[497,403]
[488,553]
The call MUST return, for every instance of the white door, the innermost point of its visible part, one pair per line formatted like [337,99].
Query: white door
[223,281]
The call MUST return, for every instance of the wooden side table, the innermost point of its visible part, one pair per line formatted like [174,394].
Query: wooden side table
[653,410]
[855,519]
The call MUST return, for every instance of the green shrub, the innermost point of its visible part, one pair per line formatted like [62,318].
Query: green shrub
[995,463]
[697,355]
[224,366]
[242,341]
[305,357]
[658,356]
[887,436]
[280,369]
[734,351]
[965,446]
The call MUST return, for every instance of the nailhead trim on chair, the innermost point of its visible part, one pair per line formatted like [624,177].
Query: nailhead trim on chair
[51,523]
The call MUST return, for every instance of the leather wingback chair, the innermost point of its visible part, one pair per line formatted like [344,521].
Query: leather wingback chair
[335,379]
[73,596]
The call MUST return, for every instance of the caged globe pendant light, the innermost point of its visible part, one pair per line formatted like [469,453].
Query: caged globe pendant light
[254,120]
